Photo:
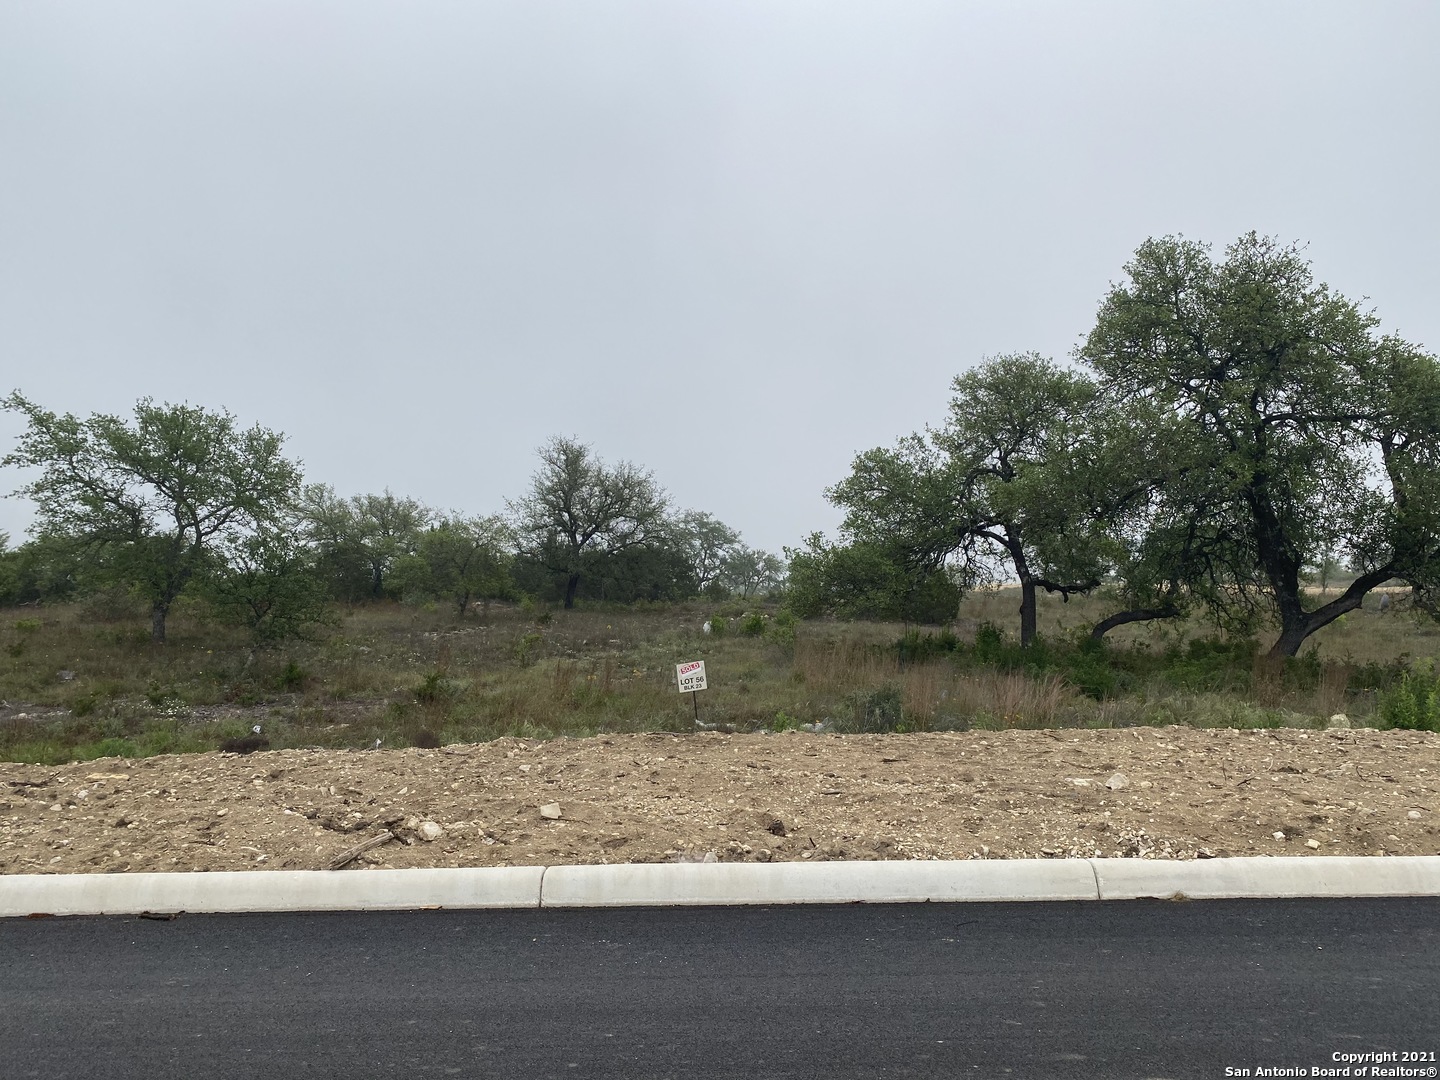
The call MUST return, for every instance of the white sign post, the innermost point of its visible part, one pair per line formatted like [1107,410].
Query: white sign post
[690,679]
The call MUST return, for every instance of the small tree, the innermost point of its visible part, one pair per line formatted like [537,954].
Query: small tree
[580,509]
[360,538]
[462,559]
[155,497]
[266,581]
[708,543]
[866,580]
[1001,490]
[748,572]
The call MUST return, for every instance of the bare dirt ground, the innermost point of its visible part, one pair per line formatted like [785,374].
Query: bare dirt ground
[1143,792]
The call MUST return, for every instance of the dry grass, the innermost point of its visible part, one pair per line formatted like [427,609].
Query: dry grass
[935,694]
[395,673]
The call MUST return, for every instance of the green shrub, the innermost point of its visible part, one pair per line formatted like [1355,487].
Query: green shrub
[782,629]
[1088,670]
[877,711]
[1211,664]
[753,625]
[989,643]
[434,689]
[1375,675]
[1414,704]
[719,625]
[916,647]
[785,722]
[527,646]
[293,677]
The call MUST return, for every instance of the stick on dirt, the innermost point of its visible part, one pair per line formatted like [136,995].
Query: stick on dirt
[350,855]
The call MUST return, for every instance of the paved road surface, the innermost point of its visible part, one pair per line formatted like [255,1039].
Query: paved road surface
[1103,990]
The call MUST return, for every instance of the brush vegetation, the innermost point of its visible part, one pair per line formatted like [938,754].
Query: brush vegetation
[93,683]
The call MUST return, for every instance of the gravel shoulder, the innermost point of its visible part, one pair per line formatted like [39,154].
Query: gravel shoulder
[1176,793]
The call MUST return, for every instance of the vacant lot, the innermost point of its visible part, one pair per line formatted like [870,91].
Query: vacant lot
[562,739]
[84,681]
[1144,792]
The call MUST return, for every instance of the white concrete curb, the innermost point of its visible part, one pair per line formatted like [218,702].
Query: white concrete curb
[699,884]
[271,890]
[1215,879]
[657,884]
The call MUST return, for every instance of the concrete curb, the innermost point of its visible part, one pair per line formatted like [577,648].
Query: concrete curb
[699,884]
[691,884]
[271,890]
[1217,879]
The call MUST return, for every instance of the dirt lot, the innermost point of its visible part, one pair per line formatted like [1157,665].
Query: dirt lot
[1143,792]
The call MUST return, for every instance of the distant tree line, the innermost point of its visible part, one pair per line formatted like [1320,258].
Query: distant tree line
[183,502]
[1230,427]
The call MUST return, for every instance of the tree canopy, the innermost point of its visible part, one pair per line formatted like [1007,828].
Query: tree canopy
[998,490]
[1295,426]
[579,509]
[153,498]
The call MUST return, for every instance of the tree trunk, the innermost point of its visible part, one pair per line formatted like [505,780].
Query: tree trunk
[1027,587]
[1297,624]
[157,623]
[1027,612]
[571,587]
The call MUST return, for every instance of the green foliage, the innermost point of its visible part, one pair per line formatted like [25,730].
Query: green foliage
[1010,486]
[459,560]
[989,643]
[867,581]
[358,541]
[1414,704]
[268,583]
[876,711]
[785,722]
[781,629]
[526,648]
[152,499]
[579,508]
[707,544]
[292,677]
[1295,435]
[753,624]
[719,625]
[1211,664]
[436,688]
[747,572]
[918,647]
[1088,669]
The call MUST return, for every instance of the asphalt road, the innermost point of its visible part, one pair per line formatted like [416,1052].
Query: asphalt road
[1104,990]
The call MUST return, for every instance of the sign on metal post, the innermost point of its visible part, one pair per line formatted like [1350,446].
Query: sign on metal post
[690,677]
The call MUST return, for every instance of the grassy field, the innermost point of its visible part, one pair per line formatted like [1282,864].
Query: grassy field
[84,681]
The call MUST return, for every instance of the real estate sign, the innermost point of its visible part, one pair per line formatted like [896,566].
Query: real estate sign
[690,677]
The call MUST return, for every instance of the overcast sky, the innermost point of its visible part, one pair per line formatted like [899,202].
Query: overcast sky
[733,242]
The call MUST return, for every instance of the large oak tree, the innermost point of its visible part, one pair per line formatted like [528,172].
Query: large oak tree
[1297,429]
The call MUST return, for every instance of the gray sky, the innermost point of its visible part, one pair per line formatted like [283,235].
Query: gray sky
[734,242]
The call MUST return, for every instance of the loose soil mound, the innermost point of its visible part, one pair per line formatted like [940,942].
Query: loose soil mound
[1150,793]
